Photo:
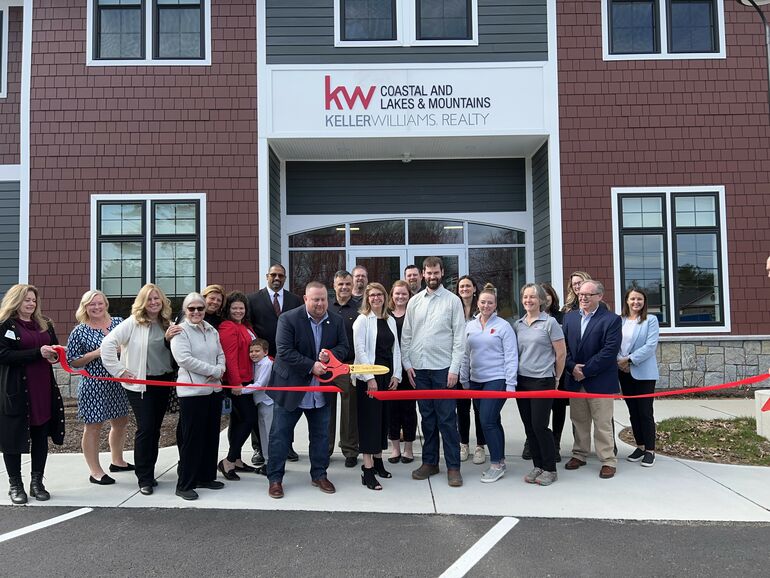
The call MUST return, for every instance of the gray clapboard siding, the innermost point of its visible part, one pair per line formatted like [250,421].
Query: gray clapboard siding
[302,32]
[541,215]
[378,187]
[9,235]
[275,207]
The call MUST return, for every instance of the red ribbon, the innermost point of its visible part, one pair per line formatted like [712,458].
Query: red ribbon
[553,393]
[66,367]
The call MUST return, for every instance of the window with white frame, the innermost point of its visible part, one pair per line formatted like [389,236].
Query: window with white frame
[671,245]
[663,28]
[149,30]
[147,241]
[406,22]
[3,54]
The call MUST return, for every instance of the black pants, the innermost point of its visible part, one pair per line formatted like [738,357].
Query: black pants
[464,420]
[559,414]
[535,413]
[373,417]
[197,437]
[38,435]
[243,420]
[640,410]
[149,409]
[403,415]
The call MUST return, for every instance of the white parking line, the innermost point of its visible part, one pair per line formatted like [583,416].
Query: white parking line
[44,524]
[476,552]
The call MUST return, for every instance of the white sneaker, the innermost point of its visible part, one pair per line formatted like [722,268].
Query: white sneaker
[546,478]
[479,456]
[533,475]
[464,452]
[493,474]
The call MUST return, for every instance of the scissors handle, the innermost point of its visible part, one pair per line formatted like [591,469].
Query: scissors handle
[334,368]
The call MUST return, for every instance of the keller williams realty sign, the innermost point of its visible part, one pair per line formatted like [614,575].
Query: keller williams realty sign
[391,102]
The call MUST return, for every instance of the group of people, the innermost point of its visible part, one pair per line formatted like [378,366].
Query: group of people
[428,337]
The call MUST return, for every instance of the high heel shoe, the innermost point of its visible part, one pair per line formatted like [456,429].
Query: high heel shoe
[379,467]
[368,479]
[229,475]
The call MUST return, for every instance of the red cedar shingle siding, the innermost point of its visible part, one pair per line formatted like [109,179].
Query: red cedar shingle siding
[140,129]
[666,123]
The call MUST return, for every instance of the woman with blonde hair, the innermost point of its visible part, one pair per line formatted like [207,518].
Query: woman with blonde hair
[31,408]
[98,400]
[574,281]
[144,354]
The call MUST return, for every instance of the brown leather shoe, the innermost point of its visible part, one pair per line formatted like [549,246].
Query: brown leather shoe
[324,485]
[454,478]
[574,464]
[425,471]
[275,490]
[607,472]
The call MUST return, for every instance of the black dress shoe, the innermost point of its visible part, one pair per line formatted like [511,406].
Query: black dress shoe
[245,469]
[105,480]
[351,462]
[292,455]
[155,483]
[258,459]
[146,490]
[187,494]
[212,485]
[127,468]
[229,475]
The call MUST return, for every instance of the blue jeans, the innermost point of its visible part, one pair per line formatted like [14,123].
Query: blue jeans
[282,434]
[438,415]
[489,414]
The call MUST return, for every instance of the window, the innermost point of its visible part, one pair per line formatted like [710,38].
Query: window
[406,22]
[147,240]
[663,29]
[149,31]
[671,245]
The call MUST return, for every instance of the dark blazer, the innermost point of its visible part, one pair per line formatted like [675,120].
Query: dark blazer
[14,418]
[297,354]
[597,349]
[263,317]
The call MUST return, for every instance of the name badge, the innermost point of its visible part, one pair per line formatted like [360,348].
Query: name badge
[10,334]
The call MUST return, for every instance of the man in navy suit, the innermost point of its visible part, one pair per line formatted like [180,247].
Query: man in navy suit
[303,333]
[593,336]
[265,306]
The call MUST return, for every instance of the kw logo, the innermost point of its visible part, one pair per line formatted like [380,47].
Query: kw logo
[333,96]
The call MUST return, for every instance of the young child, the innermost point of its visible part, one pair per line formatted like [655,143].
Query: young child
[263,366]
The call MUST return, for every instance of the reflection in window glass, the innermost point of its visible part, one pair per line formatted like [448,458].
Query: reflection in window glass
[326,237]
[479,234]
[179,29]
[121,268]
[697,275]
[175,218]
[505,268]
[642,212]
[632,27]
[119,29]
[307,266]
[692,26]
[644,266]
[175,267]
[451,269]
[425,232]
[124,219]
[377,233]
[382,270]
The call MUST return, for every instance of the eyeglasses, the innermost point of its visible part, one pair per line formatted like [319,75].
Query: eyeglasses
[279,275]
[587,295]
[376,296]
[198,309]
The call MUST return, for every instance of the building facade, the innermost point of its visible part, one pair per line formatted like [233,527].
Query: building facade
[188,143]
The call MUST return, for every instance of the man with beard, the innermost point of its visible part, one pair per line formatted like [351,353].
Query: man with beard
[432,348]
[360,281]
[265,306]
[413,278]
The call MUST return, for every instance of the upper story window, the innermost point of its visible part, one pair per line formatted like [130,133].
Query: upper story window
[672,244]
[161,32]
[654,29]
[406,22]
[3,54]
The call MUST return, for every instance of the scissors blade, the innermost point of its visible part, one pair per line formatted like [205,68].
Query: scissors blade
[366,368]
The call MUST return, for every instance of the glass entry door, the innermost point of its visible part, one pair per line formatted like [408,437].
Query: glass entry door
[454,262]
[383,265]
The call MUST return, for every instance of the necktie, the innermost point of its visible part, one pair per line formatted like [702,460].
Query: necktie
[276,305]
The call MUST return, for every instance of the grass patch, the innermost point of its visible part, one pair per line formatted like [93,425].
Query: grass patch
[726,441]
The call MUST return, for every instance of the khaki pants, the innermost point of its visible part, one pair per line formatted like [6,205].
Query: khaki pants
[348,418]
[598,411]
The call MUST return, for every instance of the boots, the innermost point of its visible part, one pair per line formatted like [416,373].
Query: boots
[16,490]
[37,489]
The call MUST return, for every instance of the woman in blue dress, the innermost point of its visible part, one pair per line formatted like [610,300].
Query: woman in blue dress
[98,400]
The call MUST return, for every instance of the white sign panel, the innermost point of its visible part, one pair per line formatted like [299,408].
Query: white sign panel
[414,101]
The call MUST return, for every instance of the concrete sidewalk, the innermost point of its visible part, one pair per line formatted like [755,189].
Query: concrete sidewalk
[673,489]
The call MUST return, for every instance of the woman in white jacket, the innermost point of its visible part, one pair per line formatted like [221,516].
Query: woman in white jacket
[144,354]
[197,350]
[375,339]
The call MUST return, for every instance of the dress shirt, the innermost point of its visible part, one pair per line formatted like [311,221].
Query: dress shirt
[315,399]
[272,294]
[585,318]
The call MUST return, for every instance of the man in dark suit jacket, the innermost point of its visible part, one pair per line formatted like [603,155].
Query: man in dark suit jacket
[264,313]
[593,336]
[303,335]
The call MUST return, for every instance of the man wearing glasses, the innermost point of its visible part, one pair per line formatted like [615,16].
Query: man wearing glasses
[265,306]
[593,335]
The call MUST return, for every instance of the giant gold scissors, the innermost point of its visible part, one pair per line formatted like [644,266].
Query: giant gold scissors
[335,368]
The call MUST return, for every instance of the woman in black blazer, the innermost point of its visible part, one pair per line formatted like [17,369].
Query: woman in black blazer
[31,408]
